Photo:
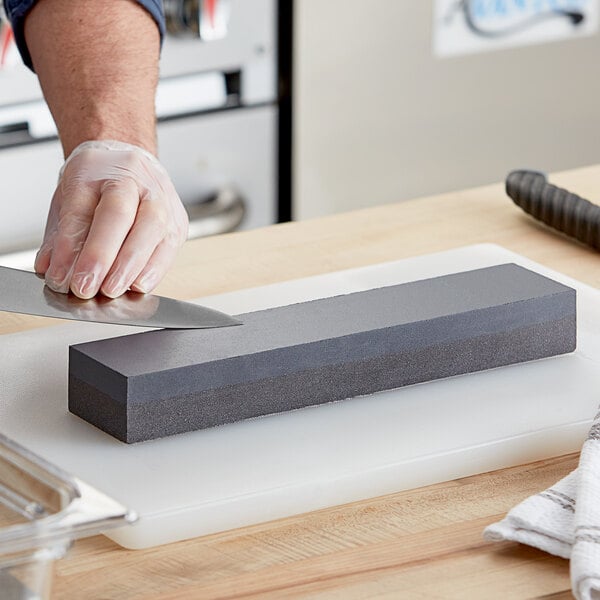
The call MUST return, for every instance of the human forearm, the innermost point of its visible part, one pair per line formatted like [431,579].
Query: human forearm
[97,61]
[115,221]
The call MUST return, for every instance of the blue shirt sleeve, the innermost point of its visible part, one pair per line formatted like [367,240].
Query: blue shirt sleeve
[17,10]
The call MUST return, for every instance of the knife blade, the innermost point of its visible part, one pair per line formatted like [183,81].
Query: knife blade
[26,292]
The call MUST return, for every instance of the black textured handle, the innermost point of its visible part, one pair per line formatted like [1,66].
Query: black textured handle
[555,206]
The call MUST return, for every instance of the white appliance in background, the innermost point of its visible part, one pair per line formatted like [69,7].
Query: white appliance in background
[413,100]
[218,105]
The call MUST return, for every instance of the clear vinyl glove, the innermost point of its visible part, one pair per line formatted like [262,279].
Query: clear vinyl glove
[115,222]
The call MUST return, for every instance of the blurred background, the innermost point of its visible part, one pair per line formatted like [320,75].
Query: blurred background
[272,109]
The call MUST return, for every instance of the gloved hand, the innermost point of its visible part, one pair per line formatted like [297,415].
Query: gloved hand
[115,222]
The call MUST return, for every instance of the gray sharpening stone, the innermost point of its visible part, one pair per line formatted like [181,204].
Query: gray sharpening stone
[160,383]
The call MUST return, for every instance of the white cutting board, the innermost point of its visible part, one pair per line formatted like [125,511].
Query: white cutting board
[208,481]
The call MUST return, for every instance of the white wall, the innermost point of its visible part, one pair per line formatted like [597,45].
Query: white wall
[378,119]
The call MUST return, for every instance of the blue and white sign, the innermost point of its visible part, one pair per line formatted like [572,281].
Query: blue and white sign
[469,26]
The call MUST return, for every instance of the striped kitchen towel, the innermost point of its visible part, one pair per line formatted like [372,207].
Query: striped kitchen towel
[564,520]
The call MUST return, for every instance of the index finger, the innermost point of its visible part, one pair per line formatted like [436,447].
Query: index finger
[75,213]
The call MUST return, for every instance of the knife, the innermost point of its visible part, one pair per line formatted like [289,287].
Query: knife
[560,209]
[26,292]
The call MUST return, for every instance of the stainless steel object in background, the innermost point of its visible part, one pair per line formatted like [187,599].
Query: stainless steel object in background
[25,292]
[223,105]
[223,212]
[205,19]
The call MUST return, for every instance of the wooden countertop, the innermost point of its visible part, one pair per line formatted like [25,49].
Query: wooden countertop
[422,543]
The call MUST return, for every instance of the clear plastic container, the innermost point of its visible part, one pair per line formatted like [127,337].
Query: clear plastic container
[42,510]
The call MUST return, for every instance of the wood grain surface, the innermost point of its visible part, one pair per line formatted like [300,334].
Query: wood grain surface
[424,543]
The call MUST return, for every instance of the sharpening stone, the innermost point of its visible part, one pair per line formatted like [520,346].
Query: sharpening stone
[160,383]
